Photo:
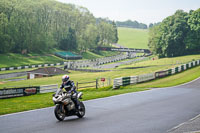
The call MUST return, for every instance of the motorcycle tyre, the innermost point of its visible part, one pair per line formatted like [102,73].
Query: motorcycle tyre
[79,114]
[57,108]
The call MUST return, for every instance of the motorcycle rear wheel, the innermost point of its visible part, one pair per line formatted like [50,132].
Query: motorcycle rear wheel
[81,111]
[58,113]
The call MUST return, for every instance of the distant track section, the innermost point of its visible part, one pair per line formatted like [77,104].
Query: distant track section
[124,49]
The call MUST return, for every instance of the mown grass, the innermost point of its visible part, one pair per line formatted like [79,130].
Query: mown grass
[133,38]
[101,54]
[11,59]
[145,67]
[8,60]
[163,61]
[177,79]
[45,100]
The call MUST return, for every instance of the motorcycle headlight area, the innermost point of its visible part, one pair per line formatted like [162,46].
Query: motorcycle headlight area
[57,99]
[66,101]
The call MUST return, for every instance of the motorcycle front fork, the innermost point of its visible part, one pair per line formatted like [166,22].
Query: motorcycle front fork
[62,109]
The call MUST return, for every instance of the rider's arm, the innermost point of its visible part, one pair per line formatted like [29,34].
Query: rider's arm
[62,86]
[73,87]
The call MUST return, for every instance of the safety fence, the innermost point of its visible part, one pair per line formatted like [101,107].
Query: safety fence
[31,90]
[48,88]
[98,83]
[123,81]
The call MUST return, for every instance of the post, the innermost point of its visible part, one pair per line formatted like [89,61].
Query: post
[96,83]
[77,85]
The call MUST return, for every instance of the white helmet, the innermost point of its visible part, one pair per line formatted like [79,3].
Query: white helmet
[65,78]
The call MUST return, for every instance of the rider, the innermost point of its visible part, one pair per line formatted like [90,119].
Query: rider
[69,86]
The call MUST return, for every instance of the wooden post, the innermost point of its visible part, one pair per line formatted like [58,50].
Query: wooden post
[96,83]
[77,85]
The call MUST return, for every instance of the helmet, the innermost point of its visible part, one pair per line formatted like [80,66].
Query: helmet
[65,78]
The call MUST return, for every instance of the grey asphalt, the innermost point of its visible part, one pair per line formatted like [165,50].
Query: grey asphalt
[116,64]
[152,111]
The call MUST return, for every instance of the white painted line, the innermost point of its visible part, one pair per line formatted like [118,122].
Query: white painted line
[24,112]
[184,83]
[176,127]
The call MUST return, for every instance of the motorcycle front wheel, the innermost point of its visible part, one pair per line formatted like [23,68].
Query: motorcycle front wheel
[60,115]
[81,111]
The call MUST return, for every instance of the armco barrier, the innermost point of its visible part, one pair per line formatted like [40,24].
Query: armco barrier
[146,77]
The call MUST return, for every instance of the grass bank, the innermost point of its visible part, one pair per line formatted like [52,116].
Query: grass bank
[134,69]
[45,100]
[173,80]
[133,38]
[19,104]
[13,59]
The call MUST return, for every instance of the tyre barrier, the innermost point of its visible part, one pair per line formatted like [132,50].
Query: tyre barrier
[123,81]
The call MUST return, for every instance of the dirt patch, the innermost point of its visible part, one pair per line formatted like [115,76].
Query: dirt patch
[1,83]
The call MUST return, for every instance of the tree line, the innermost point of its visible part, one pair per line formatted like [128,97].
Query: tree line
[176,35]
[131,24]
[39,25]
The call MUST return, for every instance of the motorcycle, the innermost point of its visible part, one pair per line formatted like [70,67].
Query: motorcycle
[65,105]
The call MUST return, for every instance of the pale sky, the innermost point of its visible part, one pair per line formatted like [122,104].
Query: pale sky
[143,11]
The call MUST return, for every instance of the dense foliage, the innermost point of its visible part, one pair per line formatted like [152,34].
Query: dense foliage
[131,24]
[38,25]
[176,35]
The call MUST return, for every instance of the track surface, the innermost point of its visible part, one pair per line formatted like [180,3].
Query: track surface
[153,111]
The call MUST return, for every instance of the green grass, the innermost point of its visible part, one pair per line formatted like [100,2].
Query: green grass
[45,100]
[173,80]
[11,59]
[8,60]
[133,38]
[170,62]
[91,55]
[148,67]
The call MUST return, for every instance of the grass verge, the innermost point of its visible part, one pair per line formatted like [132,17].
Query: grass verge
[138,68]
[173,80]
[45,100]
[19,104]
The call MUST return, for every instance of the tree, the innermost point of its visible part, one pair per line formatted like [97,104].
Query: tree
[69,42]
[131,24]
[39,25]
[167,38]
[115,32]
[192,38]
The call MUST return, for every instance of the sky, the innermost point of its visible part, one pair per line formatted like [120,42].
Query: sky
[143,11]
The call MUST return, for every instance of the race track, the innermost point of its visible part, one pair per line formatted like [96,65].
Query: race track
[152,111]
